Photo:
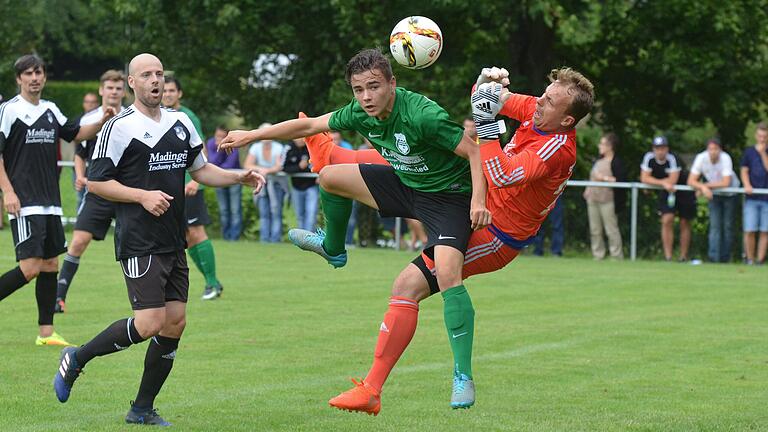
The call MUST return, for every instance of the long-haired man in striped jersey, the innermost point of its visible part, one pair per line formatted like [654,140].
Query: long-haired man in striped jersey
[30,129]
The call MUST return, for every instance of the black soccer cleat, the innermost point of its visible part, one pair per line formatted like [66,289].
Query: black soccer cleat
[147,417]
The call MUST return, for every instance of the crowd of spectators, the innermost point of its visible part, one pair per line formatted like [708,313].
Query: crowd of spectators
[712,170]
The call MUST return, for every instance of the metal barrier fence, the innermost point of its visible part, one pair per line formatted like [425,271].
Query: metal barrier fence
[633,186]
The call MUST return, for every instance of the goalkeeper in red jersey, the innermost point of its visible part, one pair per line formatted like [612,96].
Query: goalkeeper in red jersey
[525,179]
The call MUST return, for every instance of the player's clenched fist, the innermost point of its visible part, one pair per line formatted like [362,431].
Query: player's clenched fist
[156,202]
[109,112]
[493,74]
[487,101]
[253,179]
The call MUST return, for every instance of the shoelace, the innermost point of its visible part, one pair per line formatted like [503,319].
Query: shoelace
[458,385]
[357,383]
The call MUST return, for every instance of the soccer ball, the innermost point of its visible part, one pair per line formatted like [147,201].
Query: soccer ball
[416,42]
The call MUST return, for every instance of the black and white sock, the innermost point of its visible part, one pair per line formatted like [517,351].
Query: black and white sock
[67,273]
[45,293]
[117,337]
[157,366]
[11,281]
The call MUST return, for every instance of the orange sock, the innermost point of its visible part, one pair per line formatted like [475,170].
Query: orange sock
[395,334]
[340,155]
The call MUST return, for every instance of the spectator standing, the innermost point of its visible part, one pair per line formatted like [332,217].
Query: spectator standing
[754,175]
[266,158]
[230,197]
[716,166]
[660,167]
[305,191]
[601,201]
[556,224]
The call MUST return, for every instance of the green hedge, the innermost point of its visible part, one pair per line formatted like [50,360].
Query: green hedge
[68,95]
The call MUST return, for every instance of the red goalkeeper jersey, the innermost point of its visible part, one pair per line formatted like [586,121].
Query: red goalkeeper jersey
[526,178]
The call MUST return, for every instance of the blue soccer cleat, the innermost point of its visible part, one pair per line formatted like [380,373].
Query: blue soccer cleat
[143,416]
[463,395]
[67,374]
[313,242]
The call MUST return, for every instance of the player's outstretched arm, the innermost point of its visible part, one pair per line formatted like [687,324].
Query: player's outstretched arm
[156,202]
[89,131]
[211,175]
[289,129]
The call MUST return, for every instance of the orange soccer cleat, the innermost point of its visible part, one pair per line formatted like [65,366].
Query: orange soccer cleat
[320,147]
[361,397]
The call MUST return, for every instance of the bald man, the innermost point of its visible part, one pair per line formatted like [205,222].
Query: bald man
[139,163]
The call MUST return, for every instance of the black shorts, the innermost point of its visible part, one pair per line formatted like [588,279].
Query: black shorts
[685,204]
[153,280]
[196,211]
[95,216]
[38,236]
[445,215]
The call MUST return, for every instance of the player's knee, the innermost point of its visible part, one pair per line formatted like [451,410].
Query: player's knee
[50,265]
[175,328]
[406,285]
[148,327]
[325,178]
[411,292]
[31,269]
[78,246]
[448,278]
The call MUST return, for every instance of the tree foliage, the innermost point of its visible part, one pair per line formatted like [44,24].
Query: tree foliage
[657,66]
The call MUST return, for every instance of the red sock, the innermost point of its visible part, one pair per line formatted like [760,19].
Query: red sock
[395,334]
[340,155]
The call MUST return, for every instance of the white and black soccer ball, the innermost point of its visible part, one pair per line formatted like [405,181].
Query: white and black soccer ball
[416,42]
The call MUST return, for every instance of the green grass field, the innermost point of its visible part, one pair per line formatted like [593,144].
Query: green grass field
[561,345]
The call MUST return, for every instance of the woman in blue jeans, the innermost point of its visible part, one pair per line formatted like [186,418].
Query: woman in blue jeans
[266,158]
[304,191]
[229,198]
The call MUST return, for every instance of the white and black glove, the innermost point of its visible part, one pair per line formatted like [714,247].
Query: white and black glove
[493,74]
[486,103]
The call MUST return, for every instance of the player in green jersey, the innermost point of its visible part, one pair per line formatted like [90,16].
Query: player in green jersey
[434,177]
[199,246]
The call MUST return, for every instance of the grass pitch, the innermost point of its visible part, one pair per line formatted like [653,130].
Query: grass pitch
[561,344]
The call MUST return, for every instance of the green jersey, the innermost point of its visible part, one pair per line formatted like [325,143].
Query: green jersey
[417,139]
[199,127]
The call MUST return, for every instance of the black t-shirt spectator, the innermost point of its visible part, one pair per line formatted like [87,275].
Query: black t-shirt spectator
[293,156]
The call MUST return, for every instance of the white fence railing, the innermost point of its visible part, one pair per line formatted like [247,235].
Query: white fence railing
[633,186]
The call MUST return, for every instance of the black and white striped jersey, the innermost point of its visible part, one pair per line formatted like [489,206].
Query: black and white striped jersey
[84,149]
[662,169]
[29,139]
[141,153]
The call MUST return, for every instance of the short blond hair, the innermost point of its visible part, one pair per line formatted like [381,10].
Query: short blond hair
[579,87]
[111,75]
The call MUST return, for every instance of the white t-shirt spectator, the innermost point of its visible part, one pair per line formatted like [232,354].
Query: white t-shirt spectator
[714,172]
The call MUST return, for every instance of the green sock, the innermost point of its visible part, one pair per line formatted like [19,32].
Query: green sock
[460,323]
[195,255]
[205,260]
[337,211]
